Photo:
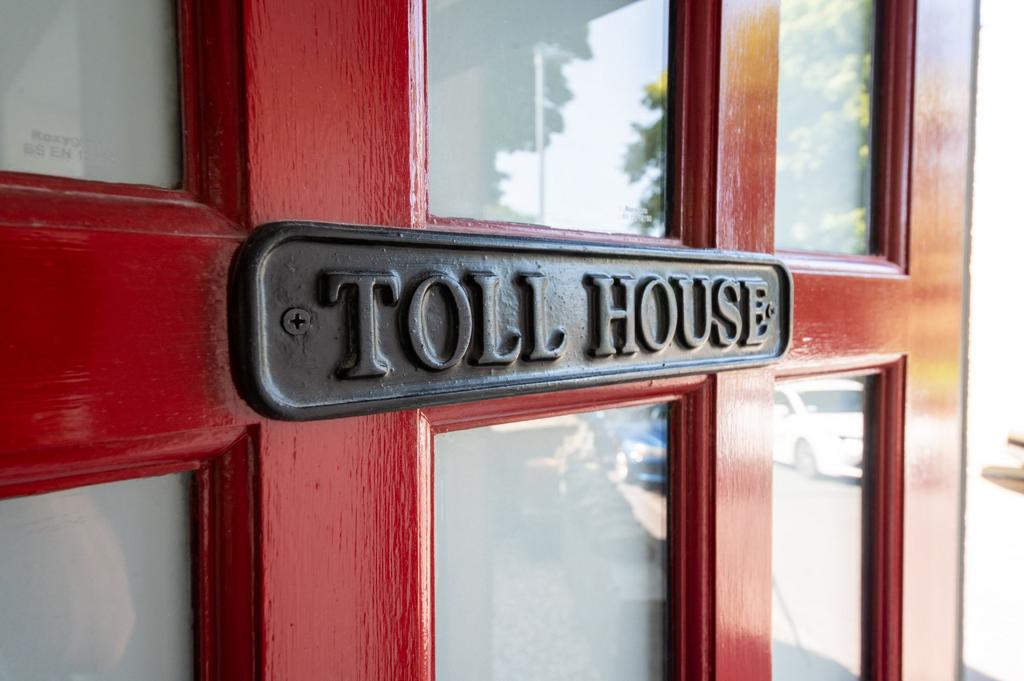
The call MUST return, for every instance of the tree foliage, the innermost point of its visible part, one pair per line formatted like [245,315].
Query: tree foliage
[822,163]
[645,158]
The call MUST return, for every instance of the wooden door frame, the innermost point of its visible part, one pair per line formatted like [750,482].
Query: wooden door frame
[281,113]
[105,285]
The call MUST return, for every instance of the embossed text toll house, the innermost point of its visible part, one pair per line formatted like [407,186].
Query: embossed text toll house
[386,314]
[623,309]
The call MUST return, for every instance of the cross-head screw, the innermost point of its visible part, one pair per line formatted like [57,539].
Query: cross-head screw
[296,321]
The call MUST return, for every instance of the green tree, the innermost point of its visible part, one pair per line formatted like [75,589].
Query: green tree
[645,159]
[822,162]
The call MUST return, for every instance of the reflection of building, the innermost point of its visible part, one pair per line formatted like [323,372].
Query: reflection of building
[501,84]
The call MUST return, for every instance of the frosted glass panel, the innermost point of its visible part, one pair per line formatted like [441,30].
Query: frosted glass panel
[96,583]
[823,167]
[550,113]
[817,521]
[550,549]
[89,88]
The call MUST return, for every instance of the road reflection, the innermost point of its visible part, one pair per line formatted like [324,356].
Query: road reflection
[816,576]
[564,574]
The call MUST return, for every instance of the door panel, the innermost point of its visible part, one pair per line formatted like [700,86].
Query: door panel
[845,312]
[342,111]
[317,558]
[118,370]
[938,205]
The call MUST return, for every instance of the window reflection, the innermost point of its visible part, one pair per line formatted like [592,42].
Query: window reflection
[96,583]
[89,89]
[550,549]
[817,520]
[823,175]
[549,112]
[819,426]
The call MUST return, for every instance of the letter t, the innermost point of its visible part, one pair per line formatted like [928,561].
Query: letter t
[370,361]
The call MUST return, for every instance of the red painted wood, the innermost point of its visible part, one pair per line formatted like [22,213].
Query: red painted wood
[696,53]
[939,195]
[113,334]
[692,533]
[224,531]
[871,330]
[228,597]
[745,189]
[20,180]
[191,74]
[94,206]
[115,358]
[893,114]
[328,111]
[842,316]
[35,471]
[839,264]
[742,422]
[847,316]
[506,410]
[114,362]
[340,549]
[331,135]
[742,414]
[885,527]
[213,73]
[469,226]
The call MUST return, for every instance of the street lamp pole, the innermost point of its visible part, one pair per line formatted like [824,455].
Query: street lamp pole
[538,125]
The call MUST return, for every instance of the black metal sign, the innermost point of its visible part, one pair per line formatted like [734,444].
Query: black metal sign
[337,320]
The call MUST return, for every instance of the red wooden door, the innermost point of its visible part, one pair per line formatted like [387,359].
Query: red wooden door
[313,544]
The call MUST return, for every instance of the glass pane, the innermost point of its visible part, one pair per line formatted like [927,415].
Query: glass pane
[823,169]
[89,88]
[550,113]
[817,519]
[550,549]
[96,583]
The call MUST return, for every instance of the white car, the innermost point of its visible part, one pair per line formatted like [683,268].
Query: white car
[819,426]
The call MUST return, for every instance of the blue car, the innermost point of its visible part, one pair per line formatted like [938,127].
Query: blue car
[641,455]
